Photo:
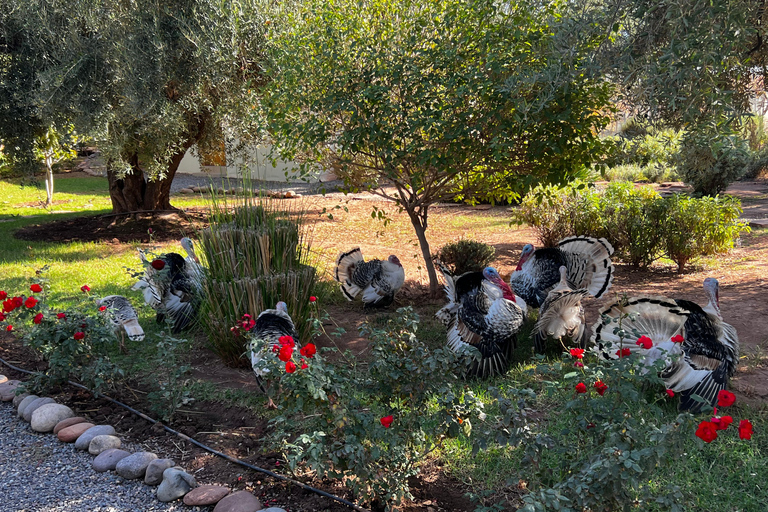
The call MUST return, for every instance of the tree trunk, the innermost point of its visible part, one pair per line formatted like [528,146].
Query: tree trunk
[419,222]
[49,181]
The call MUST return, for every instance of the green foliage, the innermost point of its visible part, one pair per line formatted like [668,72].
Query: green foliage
[256,254]
[758,164]
[710,164]
[172,390]
[465,255]
[74,341]
[651,149]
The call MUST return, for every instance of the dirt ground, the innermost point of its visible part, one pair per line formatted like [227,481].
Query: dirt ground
[743,275]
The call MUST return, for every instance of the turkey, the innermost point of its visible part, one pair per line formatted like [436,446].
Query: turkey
[270,326]
[170,289]
[123,317]
[561,315]
[588,264]
[192,267]
[378,280]
[707,349]
[478,314]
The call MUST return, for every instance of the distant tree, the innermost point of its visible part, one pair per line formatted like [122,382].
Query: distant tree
[147,79]
[405,98]
[52,147]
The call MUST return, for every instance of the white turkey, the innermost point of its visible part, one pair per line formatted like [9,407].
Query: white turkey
[378,280]
[123,318]
[269,327]
[479,315]
[588,264]
[707,347]
[561,316]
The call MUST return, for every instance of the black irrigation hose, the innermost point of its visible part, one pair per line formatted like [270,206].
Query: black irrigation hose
[207,448]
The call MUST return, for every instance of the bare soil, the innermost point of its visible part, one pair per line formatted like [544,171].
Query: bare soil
[743,275]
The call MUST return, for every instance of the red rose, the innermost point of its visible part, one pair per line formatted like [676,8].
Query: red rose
[18,301]
[36,288]
[290,367]
[624,352]
[158,264]
[578,364]
[745,429]
[304,365]
[85,288]
[645,342]
[313,299]
[386,421]
[581,387]
[721,423]
[61,316]
[9,305]
[286,341]
[725,398]
[3,295]
[38,318]
[308,350]
[285,353]
[248,324]
[707,431]
[275,347]
[578,353]
[2,317]
[600,386]
[103,308]
[677,339]
[670,393]
[235,331]
[9,328]
[30,302]
[79,335]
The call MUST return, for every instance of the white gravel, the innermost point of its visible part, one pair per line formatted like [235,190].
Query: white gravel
[38,473]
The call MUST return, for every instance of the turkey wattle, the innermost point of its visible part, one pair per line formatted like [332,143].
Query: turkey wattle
[479,315]
[123,317]
[586,259]
[701,364]
[561,316]
[378,280]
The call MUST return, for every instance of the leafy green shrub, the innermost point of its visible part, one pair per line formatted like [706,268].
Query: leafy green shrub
[74,341]
[466,255]
[758,164]
[709,165]
[171,389]
[699,227]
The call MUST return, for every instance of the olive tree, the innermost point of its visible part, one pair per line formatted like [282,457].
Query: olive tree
[405,98]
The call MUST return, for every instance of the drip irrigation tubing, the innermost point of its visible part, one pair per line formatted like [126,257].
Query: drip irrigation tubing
[204,447]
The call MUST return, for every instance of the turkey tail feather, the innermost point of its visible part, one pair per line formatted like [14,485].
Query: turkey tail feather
[589,263]
[345,266]
[134,330]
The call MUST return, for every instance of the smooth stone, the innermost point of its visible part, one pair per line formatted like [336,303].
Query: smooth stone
[134,465]
[8,390]
[71,433]
[25,402]
[240,501]
[186,191]
[273,509]
[3,379]
[176,483]
[68,423]
[103,443]
[32,407]
[154,474]
[84,441]
[205,495]
[108,459]
[47,416]
[18,398]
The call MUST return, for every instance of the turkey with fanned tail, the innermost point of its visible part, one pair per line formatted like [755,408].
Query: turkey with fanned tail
[587,261]
[482,313]
[699,350]
[123,318]
[561,316]
[378,280]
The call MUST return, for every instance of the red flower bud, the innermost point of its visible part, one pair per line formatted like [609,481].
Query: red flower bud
[386,421]
[290,367]
[677,339]
[670,393]
[9,328]
[30,302]
[275,347]
[624,352]
[578,353]
[3,295]
[581,387]
[79,335]
[85,288]
[103,308]
[578,364]
[38,318]
[645,342]
[158,264]
[313,299]
[600,386]
[308,350]
[61,316]
[745,429]
[36,288]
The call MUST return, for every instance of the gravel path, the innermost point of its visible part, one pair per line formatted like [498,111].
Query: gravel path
[39,473]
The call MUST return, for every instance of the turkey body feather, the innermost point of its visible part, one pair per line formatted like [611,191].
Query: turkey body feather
[377,280]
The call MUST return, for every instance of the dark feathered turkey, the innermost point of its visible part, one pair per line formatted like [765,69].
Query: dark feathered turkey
[270,326]
[378,280]
[588,264]
[708,354]
[123,318]
[561,316]
[479,315]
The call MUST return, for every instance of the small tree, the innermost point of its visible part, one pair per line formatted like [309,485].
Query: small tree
[404,98]
[51,148]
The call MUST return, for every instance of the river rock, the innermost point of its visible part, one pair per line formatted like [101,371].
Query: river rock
[84,441]
[47,416]
[102,443]
[108,459]
[3,379]
[18,398]
[176,483]
[276,509]
[8,390]
[154,474]
[24,403]
[134,465]
[205,495]
[241,501]
[72,432]
[186,191]
[68,423]
[32,407]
